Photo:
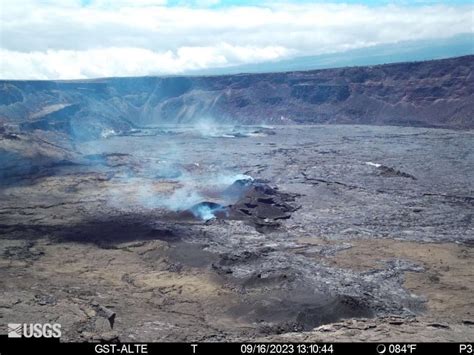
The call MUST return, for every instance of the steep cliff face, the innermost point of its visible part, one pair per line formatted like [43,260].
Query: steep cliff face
[433,94]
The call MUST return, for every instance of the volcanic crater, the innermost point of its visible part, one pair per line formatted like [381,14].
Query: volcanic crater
[142,223]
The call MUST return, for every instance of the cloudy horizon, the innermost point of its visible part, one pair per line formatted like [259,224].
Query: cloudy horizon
[74,39]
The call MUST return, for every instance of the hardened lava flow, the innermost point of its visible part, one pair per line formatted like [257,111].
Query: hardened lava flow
[316,233]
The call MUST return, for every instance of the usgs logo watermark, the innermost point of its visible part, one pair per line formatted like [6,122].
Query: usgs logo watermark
[34,330]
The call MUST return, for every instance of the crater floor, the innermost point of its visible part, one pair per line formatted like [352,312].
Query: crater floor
[353,233]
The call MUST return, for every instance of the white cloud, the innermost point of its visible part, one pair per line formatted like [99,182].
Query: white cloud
[128,61]
[63,39]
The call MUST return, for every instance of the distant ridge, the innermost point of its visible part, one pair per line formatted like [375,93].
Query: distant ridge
[407,51]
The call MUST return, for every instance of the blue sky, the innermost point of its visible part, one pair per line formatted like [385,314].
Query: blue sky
[227,3]
[72,39]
